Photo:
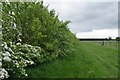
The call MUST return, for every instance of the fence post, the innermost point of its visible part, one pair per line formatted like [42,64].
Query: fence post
[102,43]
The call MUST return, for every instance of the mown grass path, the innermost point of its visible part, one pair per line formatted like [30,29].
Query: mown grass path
[89,60]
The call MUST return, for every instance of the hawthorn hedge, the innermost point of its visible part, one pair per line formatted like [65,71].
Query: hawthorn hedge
[31,34]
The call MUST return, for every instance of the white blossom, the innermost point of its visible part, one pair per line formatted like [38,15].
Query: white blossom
[6,47]
[2,45]
[17,64]
[26,61]
[6,54]
[34,50]
[31,62]
[6,58]
[3,73]
[20,34]
[29,45]
[5,43]
[1,20]
[16,57]
[1,52]
[14,25]
[26,74]
[21,53]
[19,40]
[0,64]
[13,13]
[18,44]
[11,43]
[10,50]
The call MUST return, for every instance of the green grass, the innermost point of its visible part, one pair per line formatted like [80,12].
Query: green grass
[89,60]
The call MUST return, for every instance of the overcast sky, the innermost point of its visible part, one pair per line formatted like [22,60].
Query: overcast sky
[95,18]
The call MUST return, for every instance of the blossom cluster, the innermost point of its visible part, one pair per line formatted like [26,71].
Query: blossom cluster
[16,57]
[4,57]
[3,73]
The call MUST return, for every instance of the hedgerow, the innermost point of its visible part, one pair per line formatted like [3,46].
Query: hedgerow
[31,34]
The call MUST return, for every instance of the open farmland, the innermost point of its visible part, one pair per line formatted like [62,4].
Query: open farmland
[89,60]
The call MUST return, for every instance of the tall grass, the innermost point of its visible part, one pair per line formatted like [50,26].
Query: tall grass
[88,60]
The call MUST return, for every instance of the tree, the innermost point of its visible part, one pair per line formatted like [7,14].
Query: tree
[109,38]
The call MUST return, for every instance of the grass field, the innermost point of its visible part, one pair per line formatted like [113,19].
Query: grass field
[89,60]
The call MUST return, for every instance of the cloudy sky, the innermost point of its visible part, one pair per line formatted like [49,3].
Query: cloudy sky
[89,19]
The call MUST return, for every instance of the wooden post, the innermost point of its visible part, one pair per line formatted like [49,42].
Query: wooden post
[102,43]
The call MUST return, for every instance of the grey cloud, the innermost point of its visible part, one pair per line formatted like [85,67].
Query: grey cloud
[97,17]
[87,16]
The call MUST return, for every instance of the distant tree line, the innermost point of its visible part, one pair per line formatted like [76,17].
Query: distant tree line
[92,39]
[100,39]
[118,38]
